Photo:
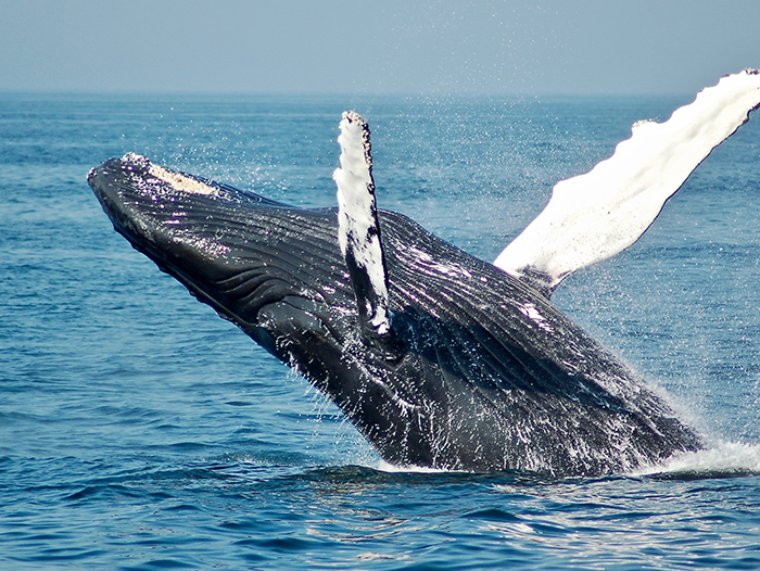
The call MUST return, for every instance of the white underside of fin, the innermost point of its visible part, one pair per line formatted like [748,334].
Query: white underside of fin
[598,214]
[358,230]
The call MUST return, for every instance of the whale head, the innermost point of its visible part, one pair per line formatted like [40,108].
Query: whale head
[255,261]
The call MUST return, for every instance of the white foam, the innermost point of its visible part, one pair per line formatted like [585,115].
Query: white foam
[723,457]
[384,466]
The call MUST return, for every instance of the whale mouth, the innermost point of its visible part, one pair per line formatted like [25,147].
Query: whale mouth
[252,259]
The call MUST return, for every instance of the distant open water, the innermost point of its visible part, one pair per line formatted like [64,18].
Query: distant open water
[140,431]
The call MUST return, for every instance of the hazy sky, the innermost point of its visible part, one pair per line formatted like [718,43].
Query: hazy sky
[385,46]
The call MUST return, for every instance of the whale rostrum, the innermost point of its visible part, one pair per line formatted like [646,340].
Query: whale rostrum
[438,358]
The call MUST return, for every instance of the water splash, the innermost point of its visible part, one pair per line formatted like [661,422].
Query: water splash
[723,459]
[384,466]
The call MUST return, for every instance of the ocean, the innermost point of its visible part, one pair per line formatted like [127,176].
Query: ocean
[140,431]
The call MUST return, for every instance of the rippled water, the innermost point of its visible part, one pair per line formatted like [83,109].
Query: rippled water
[139,431]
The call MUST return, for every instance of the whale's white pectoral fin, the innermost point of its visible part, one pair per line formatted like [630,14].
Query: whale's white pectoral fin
[598,214]
[358,228]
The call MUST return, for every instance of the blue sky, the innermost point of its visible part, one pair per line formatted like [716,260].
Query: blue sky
[389,46]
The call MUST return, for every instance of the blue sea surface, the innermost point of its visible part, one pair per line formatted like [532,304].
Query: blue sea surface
[140,431]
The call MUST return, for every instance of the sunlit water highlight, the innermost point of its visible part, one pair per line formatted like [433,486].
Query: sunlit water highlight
[139,431]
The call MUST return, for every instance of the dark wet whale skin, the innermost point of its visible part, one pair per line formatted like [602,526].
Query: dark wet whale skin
[482,373]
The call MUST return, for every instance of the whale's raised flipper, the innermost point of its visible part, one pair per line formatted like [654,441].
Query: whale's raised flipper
[358,227]
[598,214]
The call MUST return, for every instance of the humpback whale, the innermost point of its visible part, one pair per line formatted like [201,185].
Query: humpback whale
[438,358]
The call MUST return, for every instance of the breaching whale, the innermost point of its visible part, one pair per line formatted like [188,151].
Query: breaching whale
[438,358]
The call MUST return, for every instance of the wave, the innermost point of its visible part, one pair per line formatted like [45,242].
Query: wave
[722,459]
